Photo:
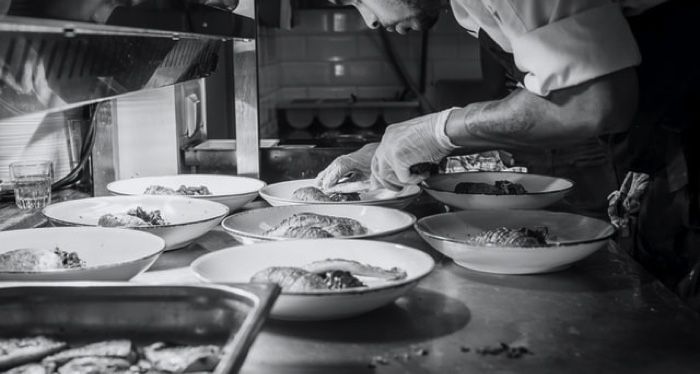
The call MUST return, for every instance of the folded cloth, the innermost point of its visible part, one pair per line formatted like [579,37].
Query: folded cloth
[624,204]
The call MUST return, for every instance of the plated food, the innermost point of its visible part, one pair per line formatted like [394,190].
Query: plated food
[304,191]
[514,241]
[178,220]
[76,253]
[311,225]
[521,237]
[137,217]
[502,187]
[232,191]
[157,189]
[315,221]
[40,354]
[325,275]
[314,194]
[320,277]
[38,259]
[497,190]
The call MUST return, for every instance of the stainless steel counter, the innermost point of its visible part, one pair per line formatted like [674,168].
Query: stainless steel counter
[604,314]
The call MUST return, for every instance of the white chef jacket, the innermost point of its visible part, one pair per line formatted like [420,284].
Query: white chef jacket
[558,43]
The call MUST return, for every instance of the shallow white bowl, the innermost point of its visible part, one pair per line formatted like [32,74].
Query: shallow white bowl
[542,190]
[109,254]
[239,264]
[573,238]
[232,191]
[188,218]
[280,194]
[248,227]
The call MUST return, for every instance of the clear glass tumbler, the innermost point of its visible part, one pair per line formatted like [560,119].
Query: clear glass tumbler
[32,183]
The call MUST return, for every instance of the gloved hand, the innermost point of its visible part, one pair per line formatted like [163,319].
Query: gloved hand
[358,162]
[416,141]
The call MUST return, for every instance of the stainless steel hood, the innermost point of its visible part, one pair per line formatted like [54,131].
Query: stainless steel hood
[52,64]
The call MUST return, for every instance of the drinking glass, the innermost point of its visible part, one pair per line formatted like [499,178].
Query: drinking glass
[32,183]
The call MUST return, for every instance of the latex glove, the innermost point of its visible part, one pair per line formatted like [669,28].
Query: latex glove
[416,141]
[358,162]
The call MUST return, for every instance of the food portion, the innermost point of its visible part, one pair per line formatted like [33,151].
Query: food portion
[137,217]
[19,351]
[35,259]
[330,274]
[313,194]
[314,226]
[182,190]
[42,355]
[498,188]
[507,237]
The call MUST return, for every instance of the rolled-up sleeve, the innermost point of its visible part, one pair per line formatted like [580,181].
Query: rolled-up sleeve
[569,50]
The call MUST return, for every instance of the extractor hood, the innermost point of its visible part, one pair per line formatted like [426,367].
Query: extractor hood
[52,62]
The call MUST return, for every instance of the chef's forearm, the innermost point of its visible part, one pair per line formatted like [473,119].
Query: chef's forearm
[525,120]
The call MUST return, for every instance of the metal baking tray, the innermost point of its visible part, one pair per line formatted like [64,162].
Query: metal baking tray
[228,315]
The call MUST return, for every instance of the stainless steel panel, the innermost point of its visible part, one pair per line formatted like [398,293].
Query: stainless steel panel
[245,67]
[226,315]
[50,65]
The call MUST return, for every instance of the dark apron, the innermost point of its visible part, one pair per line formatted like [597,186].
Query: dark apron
[663,141]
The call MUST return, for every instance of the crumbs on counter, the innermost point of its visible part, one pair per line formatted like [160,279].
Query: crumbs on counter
[383,360]
[510,351]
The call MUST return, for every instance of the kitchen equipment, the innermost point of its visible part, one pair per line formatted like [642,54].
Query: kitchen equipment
[226,315]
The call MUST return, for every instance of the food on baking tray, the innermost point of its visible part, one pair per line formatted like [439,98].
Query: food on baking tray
[47,356]
[182,190]
[498,188]
[314,194]
[313,226]
[330,274]
[507,237]
[182,359]
[133,218]
[19,351]
[35,259]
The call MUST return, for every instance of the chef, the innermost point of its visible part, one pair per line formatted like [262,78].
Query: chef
[623,71]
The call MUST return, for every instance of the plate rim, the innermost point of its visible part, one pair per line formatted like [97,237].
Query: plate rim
[424,184]
[412,219]
[342,292]
[116,182]
[155,197]
[555,245]
[89,268]
[265,195]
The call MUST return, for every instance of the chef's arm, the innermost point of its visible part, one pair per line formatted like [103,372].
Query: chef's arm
[524,120]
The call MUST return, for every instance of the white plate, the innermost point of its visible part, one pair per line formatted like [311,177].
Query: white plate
[109,254]
[542,190]
[239,264]
[279,194]
[248,227]
[188,218]
[232,191]
[575,237]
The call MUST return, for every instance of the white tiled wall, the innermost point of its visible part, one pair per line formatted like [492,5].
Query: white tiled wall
[330,53]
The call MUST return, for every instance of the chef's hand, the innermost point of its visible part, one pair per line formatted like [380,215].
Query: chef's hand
[416,141]
[358,162]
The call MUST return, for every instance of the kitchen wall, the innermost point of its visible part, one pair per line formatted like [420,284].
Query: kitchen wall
[330,53]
